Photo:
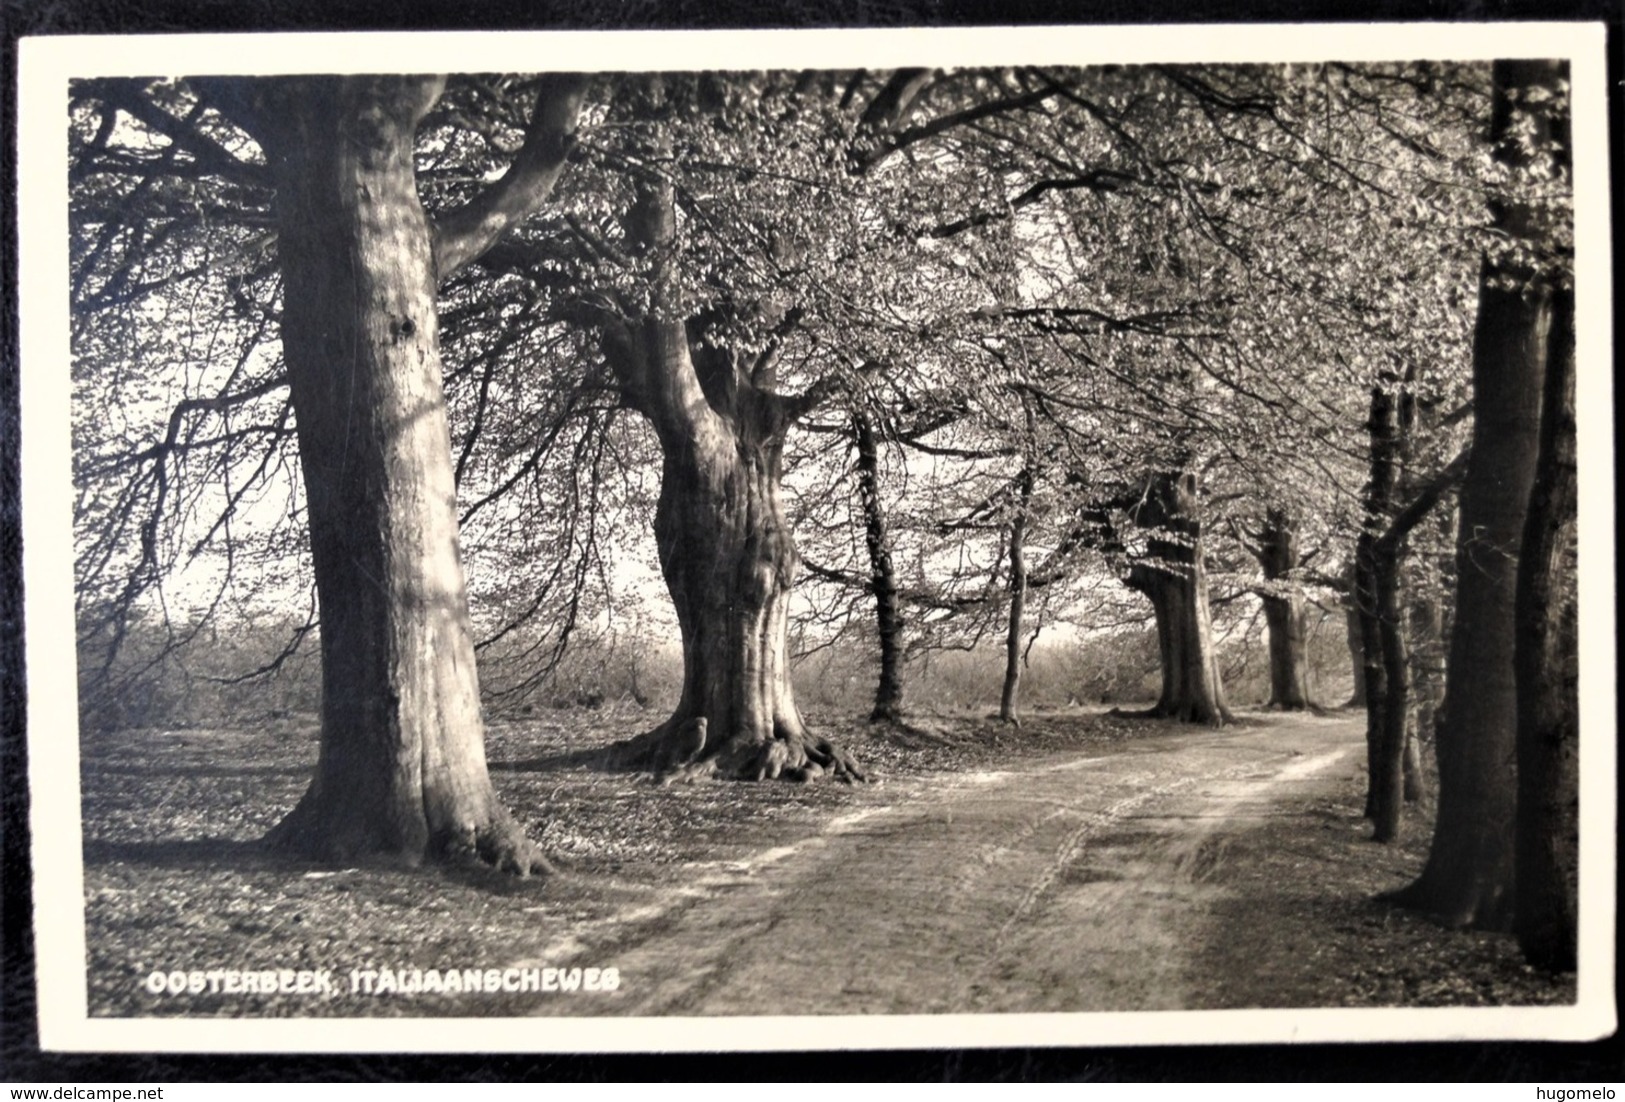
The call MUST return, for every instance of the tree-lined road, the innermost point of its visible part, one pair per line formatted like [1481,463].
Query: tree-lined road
[1065,883]
[866,361]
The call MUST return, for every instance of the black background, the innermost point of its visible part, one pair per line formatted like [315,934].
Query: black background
[20,1058]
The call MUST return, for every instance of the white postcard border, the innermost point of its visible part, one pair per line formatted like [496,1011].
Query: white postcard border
[47,64]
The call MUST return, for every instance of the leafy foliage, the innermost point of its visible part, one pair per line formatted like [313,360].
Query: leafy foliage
[1165,265]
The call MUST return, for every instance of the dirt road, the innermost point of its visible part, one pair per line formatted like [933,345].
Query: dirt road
[1079,882]
[1108,865]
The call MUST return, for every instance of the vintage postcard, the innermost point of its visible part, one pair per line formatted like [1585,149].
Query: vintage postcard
[800,540]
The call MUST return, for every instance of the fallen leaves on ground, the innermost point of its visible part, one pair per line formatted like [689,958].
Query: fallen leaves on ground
[175,880]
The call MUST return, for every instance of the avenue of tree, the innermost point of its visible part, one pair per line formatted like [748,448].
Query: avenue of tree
[951,350]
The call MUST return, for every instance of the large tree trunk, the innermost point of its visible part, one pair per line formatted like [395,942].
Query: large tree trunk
[1283,613]
[401,772]
[1468,876]
[725,547]
[882,576]
[1173,576]
[1547,661]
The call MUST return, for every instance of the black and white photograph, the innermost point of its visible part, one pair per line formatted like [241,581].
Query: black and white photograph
[817,540]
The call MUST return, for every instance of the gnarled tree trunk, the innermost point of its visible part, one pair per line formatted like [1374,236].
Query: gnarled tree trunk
[1173,576]
[725,547]
[401,773]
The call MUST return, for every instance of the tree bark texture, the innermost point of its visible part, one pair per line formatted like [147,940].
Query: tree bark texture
[1468,879]
[882,575]
[1173,576]
[1547,662]
[1373,672]
[1388,784]
[1427,683]
[725,547]
[401,772]
[1396,766]
[1018,601]
[1386,672]
[1415,782]
[1283,613]
[1351,617]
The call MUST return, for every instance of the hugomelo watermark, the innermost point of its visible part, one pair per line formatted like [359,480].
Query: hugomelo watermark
[1574,1094]
[329,982]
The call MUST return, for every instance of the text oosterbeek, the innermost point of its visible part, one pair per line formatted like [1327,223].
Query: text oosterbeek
[327,982]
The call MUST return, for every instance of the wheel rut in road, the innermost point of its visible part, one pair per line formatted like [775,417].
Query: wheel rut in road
[1066,883]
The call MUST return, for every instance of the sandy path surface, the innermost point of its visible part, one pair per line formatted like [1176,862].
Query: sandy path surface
[1076,882]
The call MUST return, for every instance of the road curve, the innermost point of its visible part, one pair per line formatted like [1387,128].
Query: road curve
[1066,883]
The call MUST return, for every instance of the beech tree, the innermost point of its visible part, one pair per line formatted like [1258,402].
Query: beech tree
[1395,760]
[704,319]
[1172,573]
[1237,192]
[1546,657]
[190,514]
[1469,877]
[877,543]
[1014,652]
[401,773]
[726,550]
[1276,545]
[931,567]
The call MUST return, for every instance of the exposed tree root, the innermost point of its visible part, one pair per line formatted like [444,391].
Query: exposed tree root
[652,751]
[1188,714]
[500,844]
[887,712]
[688,772]
[801,757]
[345,836]
[681,751]
[1463,908]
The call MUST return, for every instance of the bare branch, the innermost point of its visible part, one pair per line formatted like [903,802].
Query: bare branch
[463,234]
